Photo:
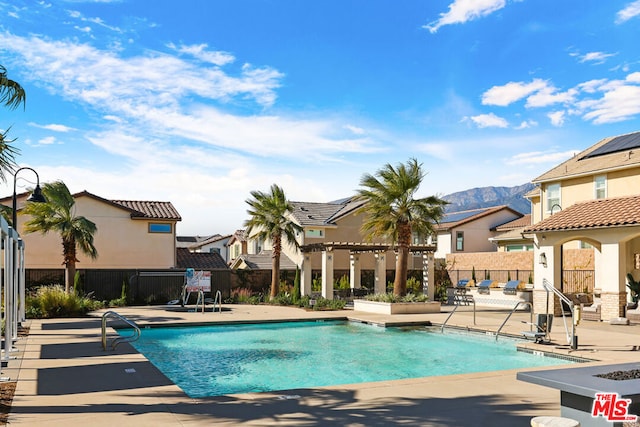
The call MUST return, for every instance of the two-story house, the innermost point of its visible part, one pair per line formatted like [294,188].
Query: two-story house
[591,199]
[130,234]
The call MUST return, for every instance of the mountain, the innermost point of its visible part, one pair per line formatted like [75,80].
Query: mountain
[490,196]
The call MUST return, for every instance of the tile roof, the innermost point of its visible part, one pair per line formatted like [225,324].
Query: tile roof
[582,164]
[199,260]
[138,208]
[601,213]
[148,209]
[455,219]
[523,221]
[262,261]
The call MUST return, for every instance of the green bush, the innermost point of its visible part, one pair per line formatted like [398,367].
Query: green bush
[414,285]
[390,297]
[321,303]
[342,282]
[53,301]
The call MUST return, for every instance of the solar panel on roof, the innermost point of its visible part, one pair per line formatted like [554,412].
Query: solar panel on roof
[459,216]
[617,144]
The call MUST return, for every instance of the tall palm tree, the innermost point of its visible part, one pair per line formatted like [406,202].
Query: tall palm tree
[392,212]
[270,216]
[58,215]
[11,96]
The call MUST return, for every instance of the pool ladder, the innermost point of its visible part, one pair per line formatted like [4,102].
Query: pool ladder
[118,340]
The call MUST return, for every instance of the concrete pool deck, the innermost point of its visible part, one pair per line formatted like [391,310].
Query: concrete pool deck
[64,378]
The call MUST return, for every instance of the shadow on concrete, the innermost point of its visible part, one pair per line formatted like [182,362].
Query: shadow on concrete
[327,408]
[78,324]
[82,349]
[99,377]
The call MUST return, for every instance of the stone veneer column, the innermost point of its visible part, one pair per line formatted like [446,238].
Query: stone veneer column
[327,274]
[612,305]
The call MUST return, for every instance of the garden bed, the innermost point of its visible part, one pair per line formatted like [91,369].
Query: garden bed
[396,307]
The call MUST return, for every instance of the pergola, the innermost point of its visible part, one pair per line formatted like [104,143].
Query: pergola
[379,250]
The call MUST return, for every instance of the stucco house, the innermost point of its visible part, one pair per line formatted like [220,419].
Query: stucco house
[471,230]
[591,199]
[509,236]
[130,234]
[331,244]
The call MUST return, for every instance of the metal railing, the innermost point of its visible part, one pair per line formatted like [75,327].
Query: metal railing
[571,336]
[458,304]
[118,340]
[513,311]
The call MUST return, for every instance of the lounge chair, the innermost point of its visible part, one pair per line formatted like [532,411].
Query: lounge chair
[543,328]
[592,312]
[483,287]
[512,287]
[464,283]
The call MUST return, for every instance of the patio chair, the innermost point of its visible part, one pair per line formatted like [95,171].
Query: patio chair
[485,285]
[512,287]
[543,328]
[464,283]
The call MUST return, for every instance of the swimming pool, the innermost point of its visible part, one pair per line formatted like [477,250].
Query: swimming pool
[228,359]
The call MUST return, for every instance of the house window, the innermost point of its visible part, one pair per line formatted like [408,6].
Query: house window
[160,227]
[214,251]
[518,248]
[314,232]
[600,186]
[585,245]
[459,240]
[553,197]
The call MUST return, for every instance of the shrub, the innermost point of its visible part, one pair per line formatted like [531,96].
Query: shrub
[414,286]
[342,282]
[53,301]
[321,303]
[390,297]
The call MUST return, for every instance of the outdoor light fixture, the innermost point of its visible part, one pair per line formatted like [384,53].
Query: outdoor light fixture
[36,196]
[543,259]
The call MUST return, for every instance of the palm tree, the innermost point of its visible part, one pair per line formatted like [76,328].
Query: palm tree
[270,215]
[392,212]
[11,96]
[57,215]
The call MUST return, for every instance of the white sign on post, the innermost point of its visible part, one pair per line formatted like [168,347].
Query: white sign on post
[199,281]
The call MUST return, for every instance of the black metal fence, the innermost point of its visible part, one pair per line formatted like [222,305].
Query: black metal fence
[502,276]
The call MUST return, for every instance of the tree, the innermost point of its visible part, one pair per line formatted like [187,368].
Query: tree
[57,215]
[392,212]
[11,96]
[270,215]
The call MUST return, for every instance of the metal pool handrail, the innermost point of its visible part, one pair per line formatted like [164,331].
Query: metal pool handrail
[513,311]
[118,340]
[454,310]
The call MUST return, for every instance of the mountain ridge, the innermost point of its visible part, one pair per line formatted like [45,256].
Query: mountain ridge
[483,197]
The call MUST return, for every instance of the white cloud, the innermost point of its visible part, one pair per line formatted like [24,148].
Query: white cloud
[461,11]
[596,57]
[48,140]
[200,52]
[54,127]
[618,104]
[557,118]
[630,11]
[539,157]
[549,96]
[441,151]
[526,124]
[355,129]
[489,120]
[511,92]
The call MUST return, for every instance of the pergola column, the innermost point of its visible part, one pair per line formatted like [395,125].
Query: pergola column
[305,274]
[354,271]
[380,286]
[428,276]
[327,274]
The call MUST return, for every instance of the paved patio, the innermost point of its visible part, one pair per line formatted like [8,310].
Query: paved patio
[66,379]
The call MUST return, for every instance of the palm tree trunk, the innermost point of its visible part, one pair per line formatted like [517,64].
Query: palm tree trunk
[69,254]
[275,266]
[404,239]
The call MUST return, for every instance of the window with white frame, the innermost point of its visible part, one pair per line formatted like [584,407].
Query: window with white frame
[459,240]
[600,186]
[314,232]
[553,197]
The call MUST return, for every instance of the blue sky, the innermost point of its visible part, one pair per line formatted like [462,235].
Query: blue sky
[201,102]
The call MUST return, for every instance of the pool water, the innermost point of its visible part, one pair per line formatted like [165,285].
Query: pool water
[228,359]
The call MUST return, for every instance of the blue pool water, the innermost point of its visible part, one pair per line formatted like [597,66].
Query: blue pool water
[227,359]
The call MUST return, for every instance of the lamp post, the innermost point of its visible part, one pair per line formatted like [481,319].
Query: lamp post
[36,196]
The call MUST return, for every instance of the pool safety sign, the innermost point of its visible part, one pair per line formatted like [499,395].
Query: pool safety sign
[198,280]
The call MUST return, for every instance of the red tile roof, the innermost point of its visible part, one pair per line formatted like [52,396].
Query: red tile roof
[523,221]
[144,209]
[602,213]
